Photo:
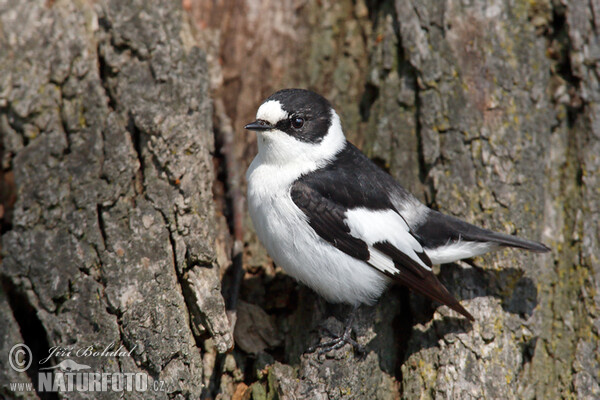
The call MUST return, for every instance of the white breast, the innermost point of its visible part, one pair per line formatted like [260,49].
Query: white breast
[294,245]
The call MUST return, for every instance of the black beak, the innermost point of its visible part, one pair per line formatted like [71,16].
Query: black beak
[259,125]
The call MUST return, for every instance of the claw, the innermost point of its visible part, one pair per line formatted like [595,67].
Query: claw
[339,341]
[335,344]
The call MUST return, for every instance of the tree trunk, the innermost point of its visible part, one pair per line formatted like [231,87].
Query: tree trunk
[107,126]
[486,111]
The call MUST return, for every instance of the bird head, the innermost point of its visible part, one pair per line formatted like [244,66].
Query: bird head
[296,125]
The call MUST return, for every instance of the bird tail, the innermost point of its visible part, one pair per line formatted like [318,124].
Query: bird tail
[429,285]
[508,241]
[439,230]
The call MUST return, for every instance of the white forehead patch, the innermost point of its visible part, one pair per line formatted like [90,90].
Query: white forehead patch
[271,112]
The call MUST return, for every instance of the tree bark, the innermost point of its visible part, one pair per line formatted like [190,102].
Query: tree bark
[486,111]
[107,126]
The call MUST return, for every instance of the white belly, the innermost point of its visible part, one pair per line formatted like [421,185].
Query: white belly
[294,245]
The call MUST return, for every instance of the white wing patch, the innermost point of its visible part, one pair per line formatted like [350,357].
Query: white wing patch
[381,261]
[384,226]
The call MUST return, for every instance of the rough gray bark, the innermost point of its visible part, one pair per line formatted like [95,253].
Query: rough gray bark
[487,111]
[106,123]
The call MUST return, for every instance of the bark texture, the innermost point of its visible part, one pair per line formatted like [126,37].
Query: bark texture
[485,110]
[107,126]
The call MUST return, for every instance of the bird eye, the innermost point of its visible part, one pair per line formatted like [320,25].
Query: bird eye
[297,122]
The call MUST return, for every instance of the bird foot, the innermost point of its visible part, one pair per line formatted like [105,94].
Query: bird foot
[337,343]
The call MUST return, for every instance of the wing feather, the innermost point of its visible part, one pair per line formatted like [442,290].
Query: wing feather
[381,238]
[327,219]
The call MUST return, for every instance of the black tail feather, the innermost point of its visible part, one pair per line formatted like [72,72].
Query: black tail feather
[439,229]
[428,285]
[509,241]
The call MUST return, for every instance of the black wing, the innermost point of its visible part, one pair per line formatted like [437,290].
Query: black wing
[327,219]
[326,209]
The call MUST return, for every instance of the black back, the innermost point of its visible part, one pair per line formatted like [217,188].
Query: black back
[352,180]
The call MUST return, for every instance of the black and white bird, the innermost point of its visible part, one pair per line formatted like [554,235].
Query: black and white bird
[335,221]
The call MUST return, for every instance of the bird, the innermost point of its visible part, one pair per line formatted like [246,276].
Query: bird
[337,222]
